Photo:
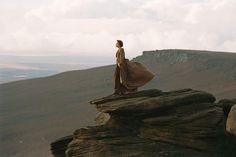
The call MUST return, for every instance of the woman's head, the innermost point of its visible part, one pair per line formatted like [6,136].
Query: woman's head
[119,43]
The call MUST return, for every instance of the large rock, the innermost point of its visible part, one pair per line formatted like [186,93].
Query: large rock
[101,141]
[154,123]
[231,121]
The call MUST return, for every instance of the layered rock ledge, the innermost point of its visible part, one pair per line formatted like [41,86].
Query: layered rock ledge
[153,123]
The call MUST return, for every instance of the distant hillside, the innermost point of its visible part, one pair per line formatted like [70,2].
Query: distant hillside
[43,109]
[14,68]
[206,70]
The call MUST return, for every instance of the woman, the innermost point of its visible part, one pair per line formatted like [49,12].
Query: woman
[129,75]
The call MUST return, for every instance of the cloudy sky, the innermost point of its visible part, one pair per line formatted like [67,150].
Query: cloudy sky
[91,27]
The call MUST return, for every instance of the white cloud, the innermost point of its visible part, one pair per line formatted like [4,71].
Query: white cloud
[91,27]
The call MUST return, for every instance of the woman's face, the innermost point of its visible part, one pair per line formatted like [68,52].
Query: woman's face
[117,44]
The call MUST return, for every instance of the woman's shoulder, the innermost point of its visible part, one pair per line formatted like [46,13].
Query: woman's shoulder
[121,49]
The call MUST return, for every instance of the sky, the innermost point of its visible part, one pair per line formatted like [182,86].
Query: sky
[91,27]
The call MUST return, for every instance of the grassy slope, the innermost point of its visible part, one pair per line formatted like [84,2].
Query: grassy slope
[35,112]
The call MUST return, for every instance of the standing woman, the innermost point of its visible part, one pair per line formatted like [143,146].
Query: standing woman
[129,75]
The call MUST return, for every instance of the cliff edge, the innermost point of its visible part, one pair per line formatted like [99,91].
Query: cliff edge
[153,123]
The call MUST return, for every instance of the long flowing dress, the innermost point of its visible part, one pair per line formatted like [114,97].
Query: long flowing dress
[130,74]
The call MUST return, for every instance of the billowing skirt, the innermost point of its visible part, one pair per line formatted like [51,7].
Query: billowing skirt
[133,74]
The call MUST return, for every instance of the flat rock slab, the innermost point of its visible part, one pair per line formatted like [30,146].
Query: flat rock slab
[113,97]
[145,105]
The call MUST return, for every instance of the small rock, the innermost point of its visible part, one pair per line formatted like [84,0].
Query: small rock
[102,118]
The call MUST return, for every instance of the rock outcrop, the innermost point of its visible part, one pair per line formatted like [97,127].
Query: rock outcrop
[152,123]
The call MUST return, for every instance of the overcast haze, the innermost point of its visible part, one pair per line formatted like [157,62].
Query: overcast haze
[91,27]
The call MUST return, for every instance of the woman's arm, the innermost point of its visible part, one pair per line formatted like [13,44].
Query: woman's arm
[122,55]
